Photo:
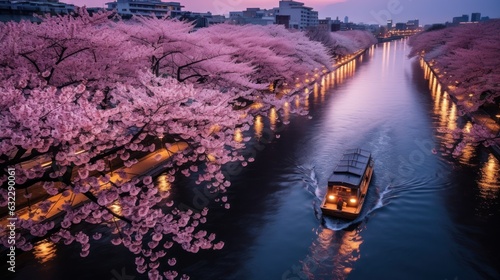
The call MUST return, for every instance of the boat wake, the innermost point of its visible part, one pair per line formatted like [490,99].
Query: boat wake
[307,175]
[377,197]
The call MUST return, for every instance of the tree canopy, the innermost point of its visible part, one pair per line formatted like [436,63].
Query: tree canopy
[79,92]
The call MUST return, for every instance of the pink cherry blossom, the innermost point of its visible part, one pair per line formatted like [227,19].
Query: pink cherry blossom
[88,98]
[466,65]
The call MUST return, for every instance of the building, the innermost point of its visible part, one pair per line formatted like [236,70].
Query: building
[283,20]
[400,26]
[325,24]
[128,8]
[254,16]
[412,24]
[475,17]
[458,20]
[346,19]
[389,24]
[301,17]
[19,10]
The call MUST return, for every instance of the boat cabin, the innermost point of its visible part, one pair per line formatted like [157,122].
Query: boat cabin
[349,183]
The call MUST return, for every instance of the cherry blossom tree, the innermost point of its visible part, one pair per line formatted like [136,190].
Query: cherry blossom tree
[277,55]
[174,50]
[465,59]
[64,50]
[82,91]
[51,112]
[343,43]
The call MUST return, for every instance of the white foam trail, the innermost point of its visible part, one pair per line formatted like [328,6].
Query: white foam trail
[317,192]
[335,224]
[380,201]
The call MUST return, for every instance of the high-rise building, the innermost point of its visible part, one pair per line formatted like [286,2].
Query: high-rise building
[346,19]
[301,17]
[389,24]
[475,17]
[128,8]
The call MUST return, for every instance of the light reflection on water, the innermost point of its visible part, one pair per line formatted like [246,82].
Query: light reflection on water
[333,254]
[489,181]
[258,126]
[446,111]
[44,251]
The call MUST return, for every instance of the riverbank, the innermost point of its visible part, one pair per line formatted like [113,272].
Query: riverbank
[151,165]
[479,117]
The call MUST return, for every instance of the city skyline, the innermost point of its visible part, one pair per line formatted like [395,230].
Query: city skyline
[375,11]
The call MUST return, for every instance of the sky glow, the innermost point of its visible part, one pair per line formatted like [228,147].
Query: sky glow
[367,11]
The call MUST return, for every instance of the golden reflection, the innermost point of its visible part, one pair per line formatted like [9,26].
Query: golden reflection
[163,183]
[258,126]
[286,112]
[273,117]
[469,150]
[437,100]
[238,137]
[44,251]
[297,101]
[323,93]
[446,112]
[467,154]
[452,118]
[443,120]
[490,179]
[349,249]
[386,48]
[316,92]
[341,248]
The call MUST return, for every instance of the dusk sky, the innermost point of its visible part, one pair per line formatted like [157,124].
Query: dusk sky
[367,11]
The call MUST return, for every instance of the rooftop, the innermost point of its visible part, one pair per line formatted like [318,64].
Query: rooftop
[351,167]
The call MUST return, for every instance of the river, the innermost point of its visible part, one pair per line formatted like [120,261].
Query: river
[427,216]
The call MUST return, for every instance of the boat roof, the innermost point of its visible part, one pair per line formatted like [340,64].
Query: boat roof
[351,168]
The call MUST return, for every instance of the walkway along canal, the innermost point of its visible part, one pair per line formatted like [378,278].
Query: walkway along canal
[427,215]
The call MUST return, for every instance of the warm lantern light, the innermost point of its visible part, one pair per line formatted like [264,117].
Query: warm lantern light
[238,136]
[352,200]
[331,197]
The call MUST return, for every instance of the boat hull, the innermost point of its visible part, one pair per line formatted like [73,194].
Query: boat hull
[349,212]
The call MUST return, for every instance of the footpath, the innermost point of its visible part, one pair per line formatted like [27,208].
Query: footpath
[152,164]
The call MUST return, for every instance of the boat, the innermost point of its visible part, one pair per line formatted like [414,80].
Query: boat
[348,183]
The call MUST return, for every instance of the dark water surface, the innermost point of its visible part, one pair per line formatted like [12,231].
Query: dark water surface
[428,215]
